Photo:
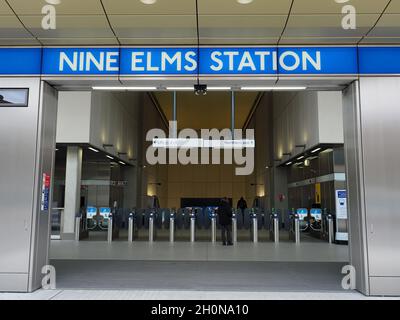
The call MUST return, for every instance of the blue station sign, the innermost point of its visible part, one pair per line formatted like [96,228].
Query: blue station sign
[214,61]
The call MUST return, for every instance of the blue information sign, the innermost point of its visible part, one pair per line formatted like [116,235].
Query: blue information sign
[215,61]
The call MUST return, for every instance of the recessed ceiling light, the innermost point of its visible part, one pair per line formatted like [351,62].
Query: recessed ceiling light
[148,1]
[316,150]
[180,88]
[93,149]
[244,1]
[123,163]
[110,157]
[273,88]
[124,88]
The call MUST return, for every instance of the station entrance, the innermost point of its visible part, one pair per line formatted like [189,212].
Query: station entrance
[135,215]
[317,196]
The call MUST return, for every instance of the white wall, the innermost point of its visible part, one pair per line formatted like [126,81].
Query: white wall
[306,118]
[99,118]
[73,120]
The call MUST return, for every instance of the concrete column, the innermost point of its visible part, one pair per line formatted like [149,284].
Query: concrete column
[72,190]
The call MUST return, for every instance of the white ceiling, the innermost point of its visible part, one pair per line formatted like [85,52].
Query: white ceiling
[173,22]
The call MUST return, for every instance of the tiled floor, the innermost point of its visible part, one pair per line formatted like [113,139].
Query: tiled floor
[181,295]
[199,251]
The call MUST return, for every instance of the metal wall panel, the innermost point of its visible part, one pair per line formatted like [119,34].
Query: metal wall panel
[18,136]
[355,185]
[27,141]
[380,130]
[44,164]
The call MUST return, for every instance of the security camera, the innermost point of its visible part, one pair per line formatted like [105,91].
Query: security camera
[200,89]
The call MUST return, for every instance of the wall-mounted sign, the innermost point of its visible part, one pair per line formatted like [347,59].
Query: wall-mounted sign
[316,214]
[91,212]
[302,213]
[14,97]
[341,216]
[215,61]
[105,212]
[341,204]
[46,182]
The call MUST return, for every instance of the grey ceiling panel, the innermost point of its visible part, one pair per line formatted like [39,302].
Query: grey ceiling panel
[136,7]
[241,26]
[160,26]
[327,26]
[95,26]
[388,26]
[34,7]
[331,7]
[258,7]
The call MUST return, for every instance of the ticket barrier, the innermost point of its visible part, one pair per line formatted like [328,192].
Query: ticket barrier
[331,230]
[299,223]
[214,226]
[234,226]
[294,231]
[172,218]
[254,226]
[316,223]
[192,216]
[152,230]
[274,227]
[131,226]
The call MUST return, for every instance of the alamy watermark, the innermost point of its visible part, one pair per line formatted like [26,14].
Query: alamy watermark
[349,19]
[349,281]
[49,279]
[188,147]
[49,11]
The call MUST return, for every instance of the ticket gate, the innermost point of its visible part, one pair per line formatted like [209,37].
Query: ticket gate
[213,218]
[274,227]
[299,223]
[192,216]
[254,226]
[171,226]
[235,215]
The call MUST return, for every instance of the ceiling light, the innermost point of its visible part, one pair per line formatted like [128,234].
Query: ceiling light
[316,150]
[299,158]
[219,88]
[110,157]
[272,88]
[289,163]
[125,88]
[179,88]
[93,149]
[123,163]
[148,1]
[244,1]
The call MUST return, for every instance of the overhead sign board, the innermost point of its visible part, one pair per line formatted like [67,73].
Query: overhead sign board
[214,61]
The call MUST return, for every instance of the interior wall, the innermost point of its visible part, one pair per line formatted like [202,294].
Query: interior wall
[374,182]
[204,181]
[306,119]
[153,178]
[29,141]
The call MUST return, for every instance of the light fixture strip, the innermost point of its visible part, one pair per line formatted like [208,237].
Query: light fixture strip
[124,88]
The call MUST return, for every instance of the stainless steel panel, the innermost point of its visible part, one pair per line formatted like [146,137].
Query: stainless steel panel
[380,113]
[27,141]
[352,147]
[13,282]
[44,164]
[18,136]
[385,286]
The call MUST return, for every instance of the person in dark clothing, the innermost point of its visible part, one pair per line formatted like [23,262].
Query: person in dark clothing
[225,220]
[242,206]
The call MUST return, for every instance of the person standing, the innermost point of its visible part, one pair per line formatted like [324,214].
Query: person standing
[225,221]
[242,206]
